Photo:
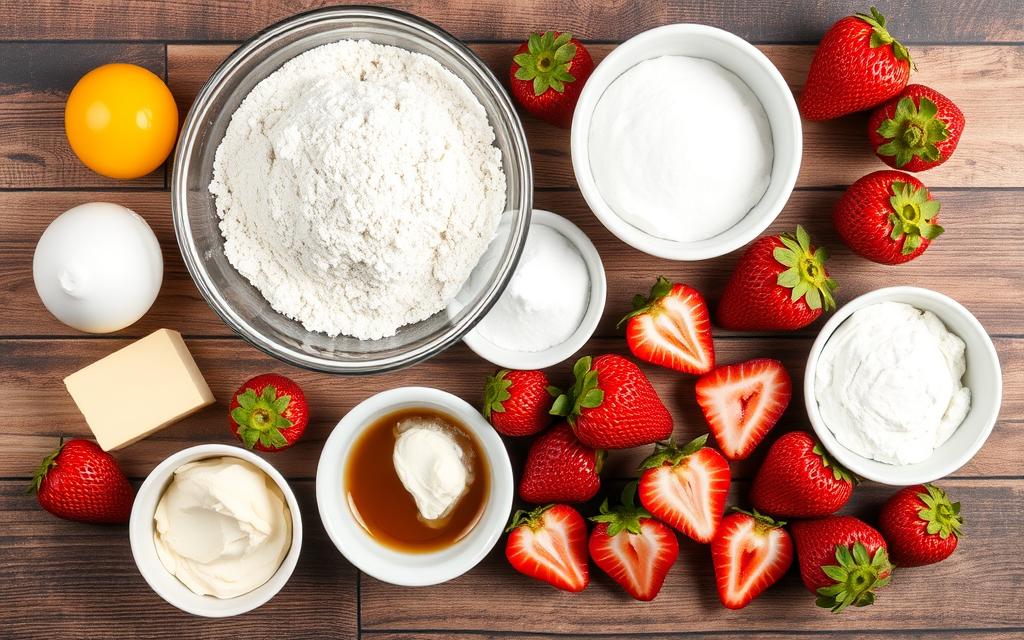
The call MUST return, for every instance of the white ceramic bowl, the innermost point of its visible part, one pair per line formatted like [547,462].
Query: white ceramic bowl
[383,563]
[140,532]
[756,70]
[983,377]
[595,307]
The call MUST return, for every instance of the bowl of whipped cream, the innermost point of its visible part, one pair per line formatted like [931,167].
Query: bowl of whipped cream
[686,142]
[903,385]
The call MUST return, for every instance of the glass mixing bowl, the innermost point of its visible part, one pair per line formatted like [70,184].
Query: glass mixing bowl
[236,301]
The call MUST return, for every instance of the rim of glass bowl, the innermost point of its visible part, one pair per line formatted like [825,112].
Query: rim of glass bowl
[198,112]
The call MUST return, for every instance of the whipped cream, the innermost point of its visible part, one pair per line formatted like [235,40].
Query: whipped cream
[431,465]
[223,527]
[888,383]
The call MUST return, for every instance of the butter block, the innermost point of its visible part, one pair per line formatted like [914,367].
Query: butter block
[139,389]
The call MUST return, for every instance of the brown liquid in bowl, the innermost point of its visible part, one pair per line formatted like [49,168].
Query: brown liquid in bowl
[383,507]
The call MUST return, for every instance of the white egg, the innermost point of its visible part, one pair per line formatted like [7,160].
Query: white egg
[98,267]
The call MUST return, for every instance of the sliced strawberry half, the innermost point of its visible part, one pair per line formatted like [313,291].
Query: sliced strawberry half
[686,487]
[750,553]
[742,402]
[550,544]
[671,328]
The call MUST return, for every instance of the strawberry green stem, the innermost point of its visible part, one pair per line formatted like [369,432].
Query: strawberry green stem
[912,215]
[881,37]
[856,576]
[806,275]
[914,130]
[942,516]
[260,417]
[546,61]
[625,517]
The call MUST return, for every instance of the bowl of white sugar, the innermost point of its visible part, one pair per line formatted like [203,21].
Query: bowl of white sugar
[337,182]
[686,142]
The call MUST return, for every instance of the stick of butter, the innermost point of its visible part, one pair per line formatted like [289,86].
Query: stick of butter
[142,388]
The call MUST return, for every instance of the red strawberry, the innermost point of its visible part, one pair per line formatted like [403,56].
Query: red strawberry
[842,559]
[547,75]
[632,547]
[671,328]
[268,413]
[750,553]
[613,405]
[888,217]
[686,488]
[780,283]
[550,544]
[921,525]
[517,403]
[742,402]
[559,468]
[798,480]
[79,481]
[916,130]
[856,66]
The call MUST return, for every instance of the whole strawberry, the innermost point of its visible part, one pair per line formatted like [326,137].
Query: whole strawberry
[798,480]
[79,481]
[842,559]
[547,75]
[917,130]
[517,403]
[921,525]
[613,405]
[559,468]
[268,413]
[857,65]
[888,217]
[780,283]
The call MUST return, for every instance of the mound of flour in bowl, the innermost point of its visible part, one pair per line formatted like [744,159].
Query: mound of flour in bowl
[358,186]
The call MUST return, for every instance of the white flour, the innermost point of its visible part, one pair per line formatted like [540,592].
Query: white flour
[357,187]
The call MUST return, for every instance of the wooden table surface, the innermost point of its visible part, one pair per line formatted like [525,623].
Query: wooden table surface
[71,580]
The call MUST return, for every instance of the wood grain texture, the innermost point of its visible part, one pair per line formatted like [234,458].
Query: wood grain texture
[952,634]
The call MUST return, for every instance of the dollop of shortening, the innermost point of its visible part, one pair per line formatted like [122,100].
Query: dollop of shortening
[431,465]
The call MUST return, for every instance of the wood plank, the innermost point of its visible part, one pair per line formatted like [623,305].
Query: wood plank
[35,79]
[785,21]
[38,410]
[952,634]
[81,579]
[973,219]
[480,600]
[981,79]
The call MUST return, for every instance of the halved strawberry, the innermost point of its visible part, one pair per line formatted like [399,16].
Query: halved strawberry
[686,487]
[750,553]
[742,402]
[671,328]
[550,544]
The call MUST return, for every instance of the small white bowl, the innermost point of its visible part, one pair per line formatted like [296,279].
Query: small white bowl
[510,359]
[756,70]
[141,528]
[373,558]
[983,377]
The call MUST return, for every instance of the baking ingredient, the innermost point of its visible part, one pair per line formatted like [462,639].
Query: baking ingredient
[680,148]
[268,412]
[742,402]
[81,482]
[357,187]
[686,487]
[888,383]
[857,65]
[612,404]
[431,465]
[97,267]
[546,299]
[121,120]
[920,525]
[780,284]
[888,217]
[750,553]
[549,544]
[671,328]
[222,526]
[139,389]
[518,403]
[547,75]
[842,559]
[916,130]
[798,479]
[633,548]
[559,468]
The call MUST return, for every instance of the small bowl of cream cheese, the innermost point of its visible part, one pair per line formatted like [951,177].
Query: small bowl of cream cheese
[903,385]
